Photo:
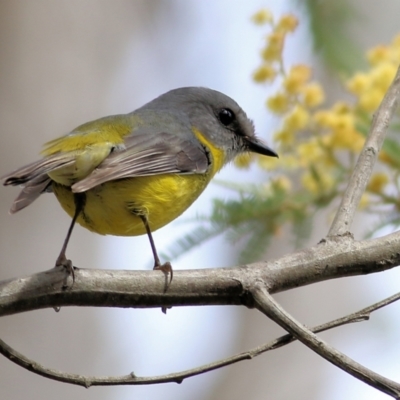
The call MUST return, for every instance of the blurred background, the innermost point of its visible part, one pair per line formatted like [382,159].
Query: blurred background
[67,62]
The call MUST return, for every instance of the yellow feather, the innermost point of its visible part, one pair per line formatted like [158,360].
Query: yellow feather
[113,208]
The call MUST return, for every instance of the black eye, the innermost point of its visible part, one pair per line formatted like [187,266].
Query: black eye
[226,116]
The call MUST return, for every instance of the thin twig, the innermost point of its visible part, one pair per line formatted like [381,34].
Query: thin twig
[131,379]
[358,316]
[268,306]
[365,164]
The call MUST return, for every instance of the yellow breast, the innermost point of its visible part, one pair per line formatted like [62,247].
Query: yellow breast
[113,208]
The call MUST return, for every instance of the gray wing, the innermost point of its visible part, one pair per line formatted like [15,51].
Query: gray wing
[34,179]
[30,192]
[146,154]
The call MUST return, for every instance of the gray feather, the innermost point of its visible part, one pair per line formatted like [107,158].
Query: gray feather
[32,190]
[37,169]
[34,179]
[145,155]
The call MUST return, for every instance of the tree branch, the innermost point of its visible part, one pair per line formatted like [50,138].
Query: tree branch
[131,379]
[268,306]
[250,285]
[331,259]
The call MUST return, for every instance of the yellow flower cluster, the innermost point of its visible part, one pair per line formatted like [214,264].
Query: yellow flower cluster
[272,52]
[370,87]
[338,126]
[378,182]
[319,145]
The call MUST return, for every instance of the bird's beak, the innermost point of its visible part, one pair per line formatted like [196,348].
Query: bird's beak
[257,146]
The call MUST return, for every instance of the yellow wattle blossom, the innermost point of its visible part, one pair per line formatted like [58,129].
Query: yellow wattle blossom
[264,73]
[318,144]
[348,139]
[378,54]
[279,103]
[310,152]
[387,159]
[284,136]
[297,119]
[378,182]
[317,184]
[385,54]
[371,87]
[273,49]
[287,23]
[297,77]
[369,100]
[338,117]
[358,83]
[313,95]
[343,120]
[341,107]
[262,17]
[382,75]
[324,118]
[343,133]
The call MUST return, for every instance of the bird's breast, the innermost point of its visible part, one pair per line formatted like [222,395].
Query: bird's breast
[113,208]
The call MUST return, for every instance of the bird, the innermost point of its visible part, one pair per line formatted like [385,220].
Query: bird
[131,174]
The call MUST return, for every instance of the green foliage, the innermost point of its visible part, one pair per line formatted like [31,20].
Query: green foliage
[330,21]
[251,220]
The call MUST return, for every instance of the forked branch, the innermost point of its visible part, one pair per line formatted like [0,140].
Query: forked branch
[251,285]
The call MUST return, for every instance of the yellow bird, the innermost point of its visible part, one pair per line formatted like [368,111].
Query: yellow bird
[131,174]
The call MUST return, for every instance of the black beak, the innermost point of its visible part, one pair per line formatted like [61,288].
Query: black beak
[257,146]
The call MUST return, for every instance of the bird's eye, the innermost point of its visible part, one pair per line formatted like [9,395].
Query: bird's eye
[226,116]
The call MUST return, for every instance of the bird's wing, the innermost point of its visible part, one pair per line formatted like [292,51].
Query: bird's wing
[38,168]
[34,179]
[30,192]
[146,154]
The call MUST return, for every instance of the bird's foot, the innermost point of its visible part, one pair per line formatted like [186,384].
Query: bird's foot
[166,268]
[62,261]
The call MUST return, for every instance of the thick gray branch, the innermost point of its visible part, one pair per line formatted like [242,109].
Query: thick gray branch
[330,259]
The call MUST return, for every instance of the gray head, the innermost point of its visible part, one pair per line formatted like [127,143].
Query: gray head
[218,117]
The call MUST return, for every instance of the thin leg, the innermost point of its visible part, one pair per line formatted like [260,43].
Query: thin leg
[166,268]
[62,260]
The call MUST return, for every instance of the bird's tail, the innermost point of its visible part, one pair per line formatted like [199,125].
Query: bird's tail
[34,179]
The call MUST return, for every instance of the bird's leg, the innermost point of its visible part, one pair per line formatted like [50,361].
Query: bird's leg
[166,267]
[80,199]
